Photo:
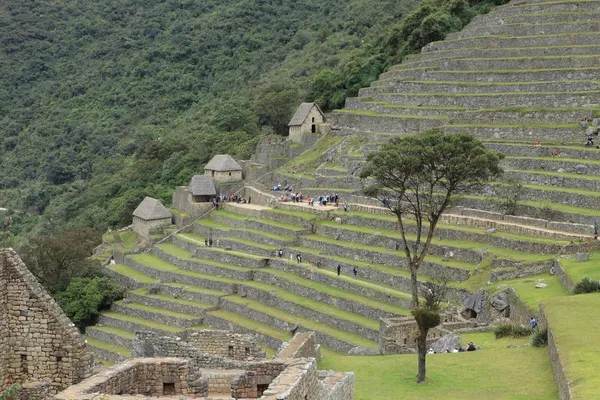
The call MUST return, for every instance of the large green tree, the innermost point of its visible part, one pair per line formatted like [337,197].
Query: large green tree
[416,178]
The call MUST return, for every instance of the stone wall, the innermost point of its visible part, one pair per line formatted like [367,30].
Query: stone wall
[37,340]
[519,312]
[565,280]
[302,345]
[143,227]
[560,376]
[299,381]
[521,270]
[182,200]
[399,335]
[166,377]
[224,176]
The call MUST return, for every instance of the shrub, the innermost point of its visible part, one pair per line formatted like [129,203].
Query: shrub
[587,285]
[505,330]
[84,298]
[521,331]
[10,393]
[540,338]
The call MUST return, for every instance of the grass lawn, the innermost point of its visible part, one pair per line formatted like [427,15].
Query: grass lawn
[579,270]
[575,327]
[495,374]
[525,288]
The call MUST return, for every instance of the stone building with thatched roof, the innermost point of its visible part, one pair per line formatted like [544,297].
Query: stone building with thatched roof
[202,188]
[150,214]
[223,168]
[306,120]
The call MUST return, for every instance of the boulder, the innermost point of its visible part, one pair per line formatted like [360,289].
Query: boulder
[581,257]
[560,170]
[474,304]
[450,342]
[581,169]
[540,285]
[500,302]
[363,351]
[596,121]
[583,124]
[491,230]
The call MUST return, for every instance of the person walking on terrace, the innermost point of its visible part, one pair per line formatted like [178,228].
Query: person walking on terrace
[339,269]
[355,272]
[299,258]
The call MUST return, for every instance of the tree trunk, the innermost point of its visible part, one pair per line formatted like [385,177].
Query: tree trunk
[414,286]
[422,352]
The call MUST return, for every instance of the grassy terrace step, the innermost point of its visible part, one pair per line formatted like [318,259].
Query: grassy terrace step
[132,273]
[307,323]
[497,251]
[122,351]
[339,293]
[114,331]
[561,174]
[577,352]
[171,299]
[209,223]
[382,288]
[143,322]
[466,229]
[529,295]
[579,270]
[196,289]
[199,241]
[363,264]
[231,215]
[301,214]
[251,325]
[155,310]
[153,261]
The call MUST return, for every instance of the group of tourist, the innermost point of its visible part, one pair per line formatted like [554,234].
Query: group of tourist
[354,271]
[470,347]
[209,243]
[224,198]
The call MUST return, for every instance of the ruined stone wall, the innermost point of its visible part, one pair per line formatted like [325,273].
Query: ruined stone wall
[182,200]
[225,344]
[560,376]
[399,335]
[299,381]
[37,340]
[149,377]
[302,345]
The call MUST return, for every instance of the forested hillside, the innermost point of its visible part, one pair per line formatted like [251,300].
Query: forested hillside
[103,102]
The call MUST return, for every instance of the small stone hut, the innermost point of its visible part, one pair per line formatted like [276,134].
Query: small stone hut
[306,120]
[223,168]
[202,189]
[150,214]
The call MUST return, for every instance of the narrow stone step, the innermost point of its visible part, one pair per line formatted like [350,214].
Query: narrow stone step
[208,227]
[410,86]
[527,29]
[133,324]
[107,351]
[111,335]
[170,303]
[193,246]
[147,313]
[269,226]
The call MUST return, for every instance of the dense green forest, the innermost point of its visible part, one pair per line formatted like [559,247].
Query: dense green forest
[104,102]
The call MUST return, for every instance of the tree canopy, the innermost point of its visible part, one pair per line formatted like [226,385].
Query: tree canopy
[416,177]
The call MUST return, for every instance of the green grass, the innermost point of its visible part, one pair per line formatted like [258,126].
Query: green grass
[378,114]
[155,310]
[411,106]
[114,331]
[342,294]
[177,251]
[525,126]
[178,213]
[197,289]
[579,270]
[154,261]
[106,363]
[270,352]
[122,351]
[575,326]
[529,295]
[487,340]
[554,159]
[255,244]
[252,325]
[305,215]
[310,159]
[132,273]
[238,217]
[144,322]
[171,299]
[305,322]
[209,223]
[563,174]
[498,374]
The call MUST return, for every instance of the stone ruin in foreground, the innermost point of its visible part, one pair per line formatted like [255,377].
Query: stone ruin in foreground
[216,364]
[40,348]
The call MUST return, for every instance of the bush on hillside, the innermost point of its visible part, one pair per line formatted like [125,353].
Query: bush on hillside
[540,338]
[84,298]
[510,330]
[587,285]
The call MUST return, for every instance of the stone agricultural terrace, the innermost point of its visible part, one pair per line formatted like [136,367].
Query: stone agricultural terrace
[526,72]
